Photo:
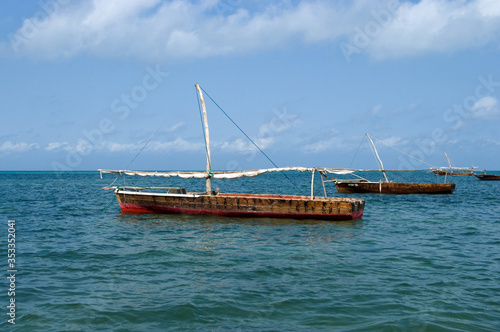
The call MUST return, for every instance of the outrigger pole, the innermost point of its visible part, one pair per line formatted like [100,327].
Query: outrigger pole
[207,142]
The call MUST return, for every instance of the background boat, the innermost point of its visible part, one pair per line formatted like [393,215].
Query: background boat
[453,170]
[489,177]
[456,171]
[400,188]
[362,185]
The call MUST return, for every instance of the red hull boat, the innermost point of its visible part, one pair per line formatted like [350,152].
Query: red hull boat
[177,200]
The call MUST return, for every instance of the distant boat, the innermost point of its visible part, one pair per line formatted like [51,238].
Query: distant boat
[361,185]
[489,177]
[398,188]
[178,200]
[452,170]
[455,171]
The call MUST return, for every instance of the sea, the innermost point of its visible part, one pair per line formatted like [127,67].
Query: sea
[412,263]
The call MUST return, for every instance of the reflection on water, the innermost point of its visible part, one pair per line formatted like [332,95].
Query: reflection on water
[210,219]
[213,232]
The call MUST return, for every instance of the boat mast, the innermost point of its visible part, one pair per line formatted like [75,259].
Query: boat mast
[376,154]
[207,141]
[449,162]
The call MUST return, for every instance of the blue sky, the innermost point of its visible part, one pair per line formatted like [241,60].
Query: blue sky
[86,84]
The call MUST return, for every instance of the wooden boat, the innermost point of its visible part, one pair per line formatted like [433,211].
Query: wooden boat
[448,171]
[452,170]
[362,185]
[488,177]
[178,200]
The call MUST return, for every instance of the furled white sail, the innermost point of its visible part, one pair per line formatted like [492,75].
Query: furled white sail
[228,175]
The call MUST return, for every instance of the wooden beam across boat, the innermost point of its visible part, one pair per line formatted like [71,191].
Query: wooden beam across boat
[138,188]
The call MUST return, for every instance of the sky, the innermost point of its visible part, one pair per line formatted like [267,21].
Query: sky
[109,84]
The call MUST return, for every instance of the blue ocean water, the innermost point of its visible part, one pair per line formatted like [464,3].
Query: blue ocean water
[413,263]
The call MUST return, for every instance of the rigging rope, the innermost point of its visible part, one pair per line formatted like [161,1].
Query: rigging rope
[142,149]
[149,140]
[402,152]
[110,203]
[265,155]
[117,176]
[355,155]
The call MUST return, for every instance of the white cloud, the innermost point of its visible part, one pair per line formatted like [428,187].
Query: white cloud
[84,147]
[282,121]
[8,146]
[376,109]
[121,147]
[175,127]
[437,25]
[269,133]
[323,145]
[237,145]
[486,108]
[178,145]
[244,145]
[159,30]
[390,141]
[57,146]
[491,141]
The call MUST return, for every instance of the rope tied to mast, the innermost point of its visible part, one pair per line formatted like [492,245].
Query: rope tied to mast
[255,144]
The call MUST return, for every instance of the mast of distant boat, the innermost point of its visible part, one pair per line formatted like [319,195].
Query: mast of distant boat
[449,162]
[207,141]
[376,154]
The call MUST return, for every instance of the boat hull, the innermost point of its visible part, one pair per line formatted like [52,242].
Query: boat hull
[453,173]
[487,177]
[242,205]
[398,188]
